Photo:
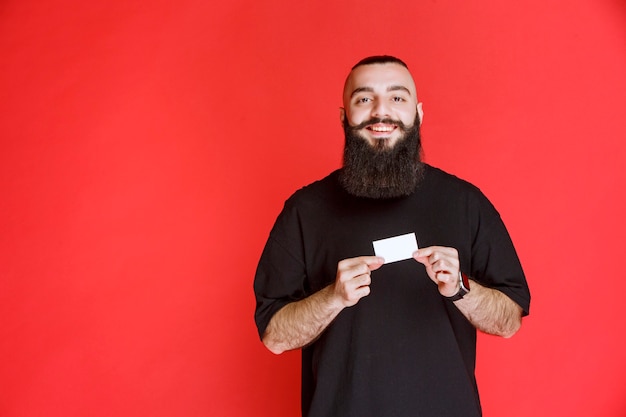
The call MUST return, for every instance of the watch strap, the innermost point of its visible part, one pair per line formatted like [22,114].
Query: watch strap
[463,288]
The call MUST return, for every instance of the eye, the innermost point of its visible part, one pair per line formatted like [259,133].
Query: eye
[398,99]
[364,100]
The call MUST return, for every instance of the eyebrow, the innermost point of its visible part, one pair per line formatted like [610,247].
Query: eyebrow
[389,89]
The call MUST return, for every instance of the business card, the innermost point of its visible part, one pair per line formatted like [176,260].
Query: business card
[397,248]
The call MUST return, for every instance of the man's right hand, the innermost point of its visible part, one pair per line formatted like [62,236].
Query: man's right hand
[299,323]
[353,278]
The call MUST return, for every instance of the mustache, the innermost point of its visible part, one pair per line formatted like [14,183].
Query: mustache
[375,120]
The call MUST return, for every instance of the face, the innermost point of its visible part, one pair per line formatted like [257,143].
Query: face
[376,98]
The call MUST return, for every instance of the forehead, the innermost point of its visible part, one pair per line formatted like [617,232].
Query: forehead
[378,77]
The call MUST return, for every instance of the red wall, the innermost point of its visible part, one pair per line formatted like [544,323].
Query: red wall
[145,152]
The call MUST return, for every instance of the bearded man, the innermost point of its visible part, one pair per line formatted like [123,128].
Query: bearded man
[387,339]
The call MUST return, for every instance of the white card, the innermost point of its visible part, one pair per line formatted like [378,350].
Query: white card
[396,248]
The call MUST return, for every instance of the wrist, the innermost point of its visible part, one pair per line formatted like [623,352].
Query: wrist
[464,288]
[334,300]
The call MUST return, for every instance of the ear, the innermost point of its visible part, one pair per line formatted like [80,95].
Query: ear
[420,112]
[342,114]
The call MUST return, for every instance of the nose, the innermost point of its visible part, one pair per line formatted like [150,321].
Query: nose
[380,109]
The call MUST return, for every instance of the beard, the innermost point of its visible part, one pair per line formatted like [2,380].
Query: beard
[382,171]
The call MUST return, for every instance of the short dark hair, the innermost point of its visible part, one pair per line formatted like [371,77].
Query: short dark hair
[380,59]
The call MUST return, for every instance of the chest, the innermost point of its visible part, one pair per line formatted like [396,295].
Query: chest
[348,229]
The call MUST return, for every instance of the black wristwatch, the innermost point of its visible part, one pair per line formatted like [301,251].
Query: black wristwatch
[463,287]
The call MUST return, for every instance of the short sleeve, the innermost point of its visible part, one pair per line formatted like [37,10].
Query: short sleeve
[281,274]
[494,260]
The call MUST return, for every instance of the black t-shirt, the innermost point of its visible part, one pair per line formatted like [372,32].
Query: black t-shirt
[404,350]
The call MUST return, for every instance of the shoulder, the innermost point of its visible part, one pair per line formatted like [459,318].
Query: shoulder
[313,201]
[446,182]
[317,192]
[454,191]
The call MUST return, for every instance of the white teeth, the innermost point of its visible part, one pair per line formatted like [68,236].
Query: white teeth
[381,128]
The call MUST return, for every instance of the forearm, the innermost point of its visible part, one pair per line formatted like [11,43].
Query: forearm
[490,311]
[299,323]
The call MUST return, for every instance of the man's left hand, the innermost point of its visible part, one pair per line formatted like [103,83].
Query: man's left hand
[442,266]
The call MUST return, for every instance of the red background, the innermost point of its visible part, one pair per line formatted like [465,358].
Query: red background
[146,151]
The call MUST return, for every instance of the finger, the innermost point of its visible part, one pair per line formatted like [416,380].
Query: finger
[357,288]
[444,276]
[437,256]
[371,262]
[423,252]
[354,286]
[425,255]
[357,294]
[443,265]
[362,280]
[363,291]
[424,258]
[349,274]
[430,250]
[375,265]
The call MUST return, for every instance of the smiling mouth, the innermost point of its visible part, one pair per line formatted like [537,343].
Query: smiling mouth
[381,128]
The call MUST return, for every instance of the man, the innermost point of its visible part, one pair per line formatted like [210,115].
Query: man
[387,339]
